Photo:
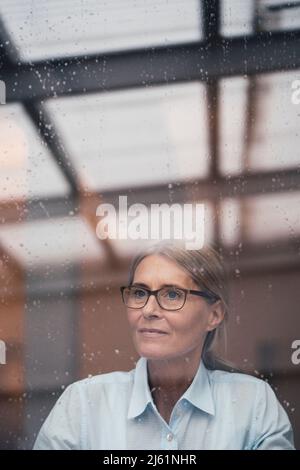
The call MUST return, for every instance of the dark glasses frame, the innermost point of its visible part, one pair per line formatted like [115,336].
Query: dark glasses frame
[200,293]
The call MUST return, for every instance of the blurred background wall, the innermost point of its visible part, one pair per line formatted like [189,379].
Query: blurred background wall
[164,102]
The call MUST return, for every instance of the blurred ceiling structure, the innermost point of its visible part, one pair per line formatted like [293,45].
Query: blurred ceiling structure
[194,106]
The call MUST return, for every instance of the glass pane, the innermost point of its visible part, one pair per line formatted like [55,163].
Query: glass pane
[27,169]
[263,132]
[50,28]
[230,219]
[271,217]
[279,15]
[276,136]
[238,17]
[60,241]
[233,96]
[130,138]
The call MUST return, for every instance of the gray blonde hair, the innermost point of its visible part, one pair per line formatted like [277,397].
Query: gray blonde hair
[205,266]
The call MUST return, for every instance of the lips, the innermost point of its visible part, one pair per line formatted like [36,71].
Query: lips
[152,330]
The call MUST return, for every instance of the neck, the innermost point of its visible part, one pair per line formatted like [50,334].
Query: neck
[173,376]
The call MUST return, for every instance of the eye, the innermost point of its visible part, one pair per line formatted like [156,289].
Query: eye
[139,293]
[172,294]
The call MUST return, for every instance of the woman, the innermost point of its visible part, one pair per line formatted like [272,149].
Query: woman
[179,396]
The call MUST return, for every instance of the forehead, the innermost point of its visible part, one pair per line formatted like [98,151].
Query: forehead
[160,270]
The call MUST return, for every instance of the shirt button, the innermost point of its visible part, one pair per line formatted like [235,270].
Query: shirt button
[169,437]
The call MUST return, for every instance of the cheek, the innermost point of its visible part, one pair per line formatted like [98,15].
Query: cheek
[195,321]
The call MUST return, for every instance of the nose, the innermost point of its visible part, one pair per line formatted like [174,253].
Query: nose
[152,307]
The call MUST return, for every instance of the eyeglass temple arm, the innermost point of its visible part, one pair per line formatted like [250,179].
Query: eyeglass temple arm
[204,294]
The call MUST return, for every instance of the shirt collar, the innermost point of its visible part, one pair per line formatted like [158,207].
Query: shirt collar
[140,396]
[199,393]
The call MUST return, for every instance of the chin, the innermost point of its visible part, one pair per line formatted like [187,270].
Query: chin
[149,352]
[154,353]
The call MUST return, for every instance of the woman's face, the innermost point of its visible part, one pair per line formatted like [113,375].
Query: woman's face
[185,329]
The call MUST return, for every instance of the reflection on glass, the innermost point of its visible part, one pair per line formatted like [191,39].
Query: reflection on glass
[136,137]
[46,29]
[27,168]
[270,217]
[239,17]
[230,221]
[262,133]
[51,242]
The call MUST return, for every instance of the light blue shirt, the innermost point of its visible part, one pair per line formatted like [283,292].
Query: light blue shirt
[219,410]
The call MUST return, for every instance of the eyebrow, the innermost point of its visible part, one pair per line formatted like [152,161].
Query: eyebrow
[141,284]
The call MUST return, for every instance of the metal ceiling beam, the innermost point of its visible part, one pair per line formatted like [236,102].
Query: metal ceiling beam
[211,19]
[48,132]
[213,122]
[8,52]
[82,199]
[46,128]
[78,197]
[263,52]
[9,56]
[251,184]
[211,29]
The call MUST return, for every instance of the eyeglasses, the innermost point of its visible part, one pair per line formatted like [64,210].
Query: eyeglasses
[168,298]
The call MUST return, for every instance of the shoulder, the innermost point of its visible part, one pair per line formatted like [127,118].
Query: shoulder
[107,378]
[239,385]
[246,394]
[234,378]
[96,383]
[252,401]
[66,425]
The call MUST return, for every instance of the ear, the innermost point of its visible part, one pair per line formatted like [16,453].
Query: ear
[216,315]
